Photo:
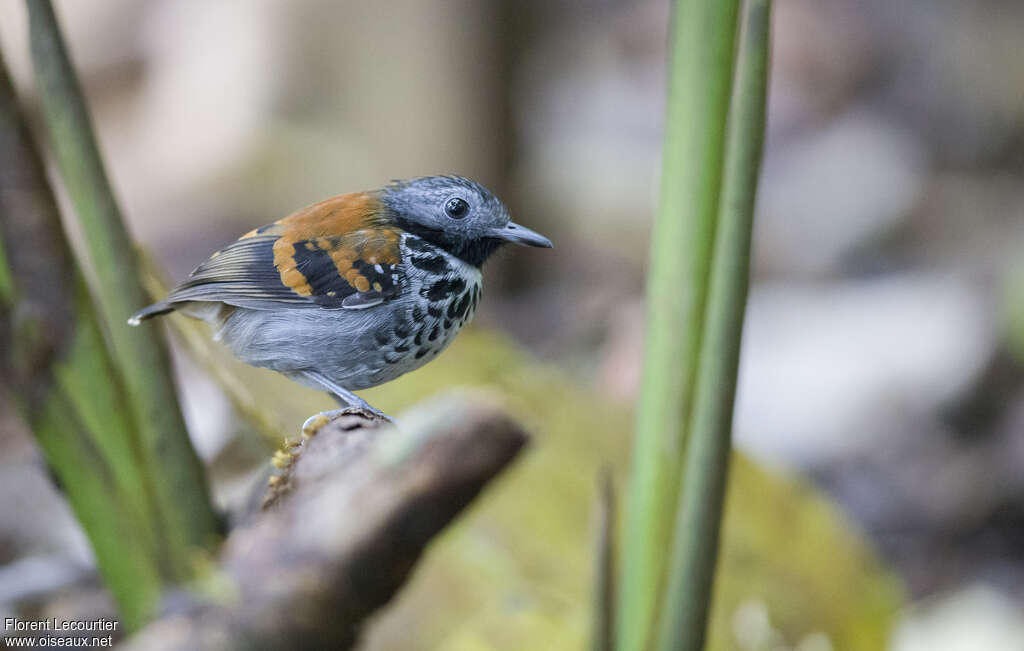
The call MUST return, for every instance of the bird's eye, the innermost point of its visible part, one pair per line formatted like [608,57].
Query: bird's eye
[456,208]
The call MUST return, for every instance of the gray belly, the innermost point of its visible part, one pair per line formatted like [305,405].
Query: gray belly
[357,349]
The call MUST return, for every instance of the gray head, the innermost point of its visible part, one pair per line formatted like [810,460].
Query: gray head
[456,214]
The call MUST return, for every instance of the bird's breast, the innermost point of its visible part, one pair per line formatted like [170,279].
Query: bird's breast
[440,296]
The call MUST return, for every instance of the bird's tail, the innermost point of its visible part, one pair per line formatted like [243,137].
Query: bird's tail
[156,309]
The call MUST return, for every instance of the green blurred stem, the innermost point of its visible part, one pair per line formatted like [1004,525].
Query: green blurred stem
[603,625]
[58,372]
[703,34]
[185,513]
[695,545]
[6,283]
[76,428]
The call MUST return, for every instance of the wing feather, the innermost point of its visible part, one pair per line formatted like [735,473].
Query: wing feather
[272,267]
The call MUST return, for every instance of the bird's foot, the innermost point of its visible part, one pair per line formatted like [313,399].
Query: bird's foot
[315,422]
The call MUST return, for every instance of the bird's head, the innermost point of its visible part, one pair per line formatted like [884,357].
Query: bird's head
[456,214]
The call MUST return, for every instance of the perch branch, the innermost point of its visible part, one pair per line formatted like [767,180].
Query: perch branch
[341,529]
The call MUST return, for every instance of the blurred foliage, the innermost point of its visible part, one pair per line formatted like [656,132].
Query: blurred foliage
[61,377]
[100,402]
[700,66]
[175,479]
[684,608]
[88,442]
[6,284]
[1013,311]
[696,297]
[515,573]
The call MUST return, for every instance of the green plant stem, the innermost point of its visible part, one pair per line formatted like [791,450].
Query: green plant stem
[185,514]
[695,545]
[700,72]
[76,428]
[59,374]
[602,636]
[6,282]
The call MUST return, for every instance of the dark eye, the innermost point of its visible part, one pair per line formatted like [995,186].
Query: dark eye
[456,208]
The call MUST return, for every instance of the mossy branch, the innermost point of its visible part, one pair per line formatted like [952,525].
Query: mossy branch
[184,513]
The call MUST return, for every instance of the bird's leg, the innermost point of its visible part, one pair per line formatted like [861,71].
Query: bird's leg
[351,403]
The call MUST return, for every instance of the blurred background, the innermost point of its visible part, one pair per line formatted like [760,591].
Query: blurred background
[884,340]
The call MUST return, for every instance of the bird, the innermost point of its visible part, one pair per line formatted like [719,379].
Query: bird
[353,291]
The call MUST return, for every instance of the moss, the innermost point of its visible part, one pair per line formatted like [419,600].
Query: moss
[514,573]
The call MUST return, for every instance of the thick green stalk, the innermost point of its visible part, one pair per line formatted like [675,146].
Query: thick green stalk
[700,73]
[180,496]
[687,596]
[61,377]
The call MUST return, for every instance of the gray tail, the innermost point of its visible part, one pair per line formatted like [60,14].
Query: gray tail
[153,310]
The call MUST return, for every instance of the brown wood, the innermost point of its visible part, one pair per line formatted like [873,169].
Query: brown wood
[342,527]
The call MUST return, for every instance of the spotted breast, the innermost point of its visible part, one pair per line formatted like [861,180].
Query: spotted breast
[443,292]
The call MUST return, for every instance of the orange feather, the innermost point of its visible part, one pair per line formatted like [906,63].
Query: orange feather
[349,227]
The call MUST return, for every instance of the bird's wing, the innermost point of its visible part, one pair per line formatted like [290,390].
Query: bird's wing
[334,254]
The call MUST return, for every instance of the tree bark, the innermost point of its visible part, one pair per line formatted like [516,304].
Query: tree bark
[341,528]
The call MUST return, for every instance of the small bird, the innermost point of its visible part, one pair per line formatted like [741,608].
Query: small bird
[353,291]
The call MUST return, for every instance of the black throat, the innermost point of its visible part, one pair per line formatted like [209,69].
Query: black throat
[473,252]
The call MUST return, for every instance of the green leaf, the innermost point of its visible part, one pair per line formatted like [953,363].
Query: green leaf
[140,358]
[700,79]
[687,596]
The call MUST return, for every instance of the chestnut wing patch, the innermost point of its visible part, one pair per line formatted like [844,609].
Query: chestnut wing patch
[270,266]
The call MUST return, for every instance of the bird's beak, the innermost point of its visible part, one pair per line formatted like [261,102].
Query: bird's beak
[517,234]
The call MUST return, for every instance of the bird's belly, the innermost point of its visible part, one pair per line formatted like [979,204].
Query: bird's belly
[356,349]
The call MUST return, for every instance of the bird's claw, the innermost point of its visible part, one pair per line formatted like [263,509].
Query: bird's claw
[315,422]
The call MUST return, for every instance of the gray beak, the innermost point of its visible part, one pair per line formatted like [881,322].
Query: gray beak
[517,234]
